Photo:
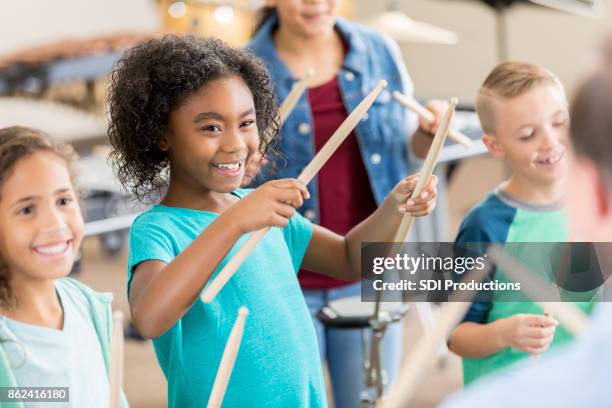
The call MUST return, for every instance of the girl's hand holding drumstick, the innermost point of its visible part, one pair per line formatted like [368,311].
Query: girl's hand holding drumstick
[419,206]
[307,174]
[270,205]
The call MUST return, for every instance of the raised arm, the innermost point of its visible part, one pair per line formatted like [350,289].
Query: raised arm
[340,257]
[162,293]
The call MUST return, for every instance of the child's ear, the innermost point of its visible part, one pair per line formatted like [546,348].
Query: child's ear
[493,146]
[163,143]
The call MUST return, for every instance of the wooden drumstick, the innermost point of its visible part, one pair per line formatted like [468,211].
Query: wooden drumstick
[116,362]
[573,318]
[428,167]
[227,360]
[283,112]
[422,356]
[426,115]
[294,96]
[534,358]
[307,174]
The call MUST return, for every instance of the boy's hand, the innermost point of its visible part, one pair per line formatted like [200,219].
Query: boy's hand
[531,333]
[253,164]
[437,107]
[270,205]
[418,206]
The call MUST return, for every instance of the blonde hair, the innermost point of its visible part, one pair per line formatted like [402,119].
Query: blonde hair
[509,80]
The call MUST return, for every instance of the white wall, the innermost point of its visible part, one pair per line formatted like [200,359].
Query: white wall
[559,41]
[25,23]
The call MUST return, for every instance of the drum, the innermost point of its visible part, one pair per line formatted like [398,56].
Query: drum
[352,313]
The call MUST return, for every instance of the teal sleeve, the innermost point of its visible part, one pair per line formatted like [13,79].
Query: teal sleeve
[149,240]
[297,234]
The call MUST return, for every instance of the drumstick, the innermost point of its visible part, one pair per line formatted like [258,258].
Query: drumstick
[574,319]
[428,166]
[294,96]
[227,360]
[534,358]
[116,362]
[307,174]
[422,355]
[427,317]
[283,112]
[426,115]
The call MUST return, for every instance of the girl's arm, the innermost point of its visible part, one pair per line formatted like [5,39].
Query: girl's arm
[340,257]
[161,293]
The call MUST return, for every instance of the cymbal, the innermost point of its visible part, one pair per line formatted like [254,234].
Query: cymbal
[404,29]
[584,8]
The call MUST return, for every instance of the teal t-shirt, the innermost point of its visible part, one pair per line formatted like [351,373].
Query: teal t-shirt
[278,364]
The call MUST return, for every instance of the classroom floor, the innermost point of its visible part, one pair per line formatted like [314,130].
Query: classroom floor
[144,382]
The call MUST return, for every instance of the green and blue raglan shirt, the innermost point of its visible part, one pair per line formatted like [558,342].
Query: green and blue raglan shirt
[502,219]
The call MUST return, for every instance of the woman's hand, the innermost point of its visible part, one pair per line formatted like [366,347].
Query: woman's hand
[419,206]
[437,107]
[270,205]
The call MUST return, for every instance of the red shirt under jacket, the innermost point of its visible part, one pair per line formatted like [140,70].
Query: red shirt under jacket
[345,196]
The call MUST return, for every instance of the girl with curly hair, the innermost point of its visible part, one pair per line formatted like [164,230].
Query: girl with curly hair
[54,331]
[186,114]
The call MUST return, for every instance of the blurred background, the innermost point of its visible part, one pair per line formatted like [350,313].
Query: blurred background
[55,57]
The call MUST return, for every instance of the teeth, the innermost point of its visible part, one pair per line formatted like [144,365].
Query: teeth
[551,160]
[52,249]
[228,166]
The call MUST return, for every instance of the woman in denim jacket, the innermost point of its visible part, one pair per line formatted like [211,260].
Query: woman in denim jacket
[349,59]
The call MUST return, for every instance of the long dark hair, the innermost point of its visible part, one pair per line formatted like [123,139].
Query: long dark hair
[263,14]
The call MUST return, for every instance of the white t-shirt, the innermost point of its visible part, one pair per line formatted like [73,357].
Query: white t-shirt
[71,357]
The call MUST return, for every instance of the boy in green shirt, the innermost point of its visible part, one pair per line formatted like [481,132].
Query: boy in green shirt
[523,111]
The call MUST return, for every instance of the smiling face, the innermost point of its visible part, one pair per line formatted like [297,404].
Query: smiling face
[531,134]
[307,17]
[211,135]
[41,226]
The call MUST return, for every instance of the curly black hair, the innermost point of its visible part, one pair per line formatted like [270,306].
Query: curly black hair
[151,79]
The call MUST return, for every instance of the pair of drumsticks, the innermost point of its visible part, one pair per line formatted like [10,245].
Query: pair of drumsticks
[307,174]
[233,344]
[321,158]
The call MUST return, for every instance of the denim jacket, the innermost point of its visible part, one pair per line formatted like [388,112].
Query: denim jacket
[384,132]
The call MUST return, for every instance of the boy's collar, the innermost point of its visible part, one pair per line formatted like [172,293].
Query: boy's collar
[516,203]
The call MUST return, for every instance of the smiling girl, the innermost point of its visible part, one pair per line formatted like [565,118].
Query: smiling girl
[195,108]
[54,331]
